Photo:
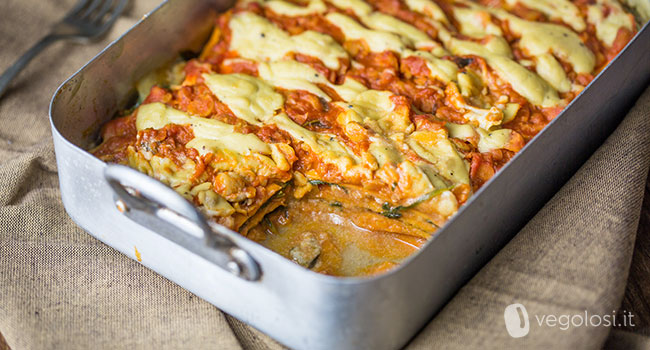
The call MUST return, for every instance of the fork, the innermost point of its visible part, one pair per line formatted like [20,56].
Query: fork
[87,20]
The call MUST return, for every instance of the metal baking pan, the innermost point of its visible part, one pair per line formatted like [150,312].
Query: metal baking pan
[300,308]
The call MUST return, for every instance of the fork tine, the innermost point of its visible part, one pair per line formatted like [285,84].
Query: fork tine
[117,11]
[80,5]
[93,5]
[102,11]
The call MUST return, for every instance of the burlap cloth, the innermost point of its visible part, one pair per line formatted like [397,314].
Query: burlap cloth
[61,288]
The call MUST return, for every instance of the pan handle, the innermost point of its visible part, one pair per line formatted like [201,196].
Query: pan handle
[156,206]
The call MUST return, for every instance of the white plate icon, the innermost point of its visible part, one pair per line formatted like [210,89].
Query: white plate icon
[516,318]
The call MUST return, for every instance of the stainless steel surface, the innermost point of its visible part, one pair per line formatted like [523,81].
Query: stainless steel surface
[86,20]
[299,308]
[152,204]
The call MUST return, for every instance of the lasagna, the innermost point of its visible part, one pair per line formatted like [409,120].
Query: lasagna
[343,133]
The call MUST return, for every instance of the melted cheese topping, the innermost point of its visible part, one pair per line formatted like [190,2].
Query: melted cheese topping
[435,147]
[642,7]
[461,131]
[209,134]
[396,37]
[249,98]
[376,110]
[551,70]
[476,22]
[256,38]
[254,100]
[326,146]
[418,180]
[522,80]
[384,151]
[444,70]
[491,140]
[358,7]
[349,89]
[292,75]
[429,8]
[290,9]
[383,22]
[377,41]
[541,38]
[487,140]
[607,26]
[561,10]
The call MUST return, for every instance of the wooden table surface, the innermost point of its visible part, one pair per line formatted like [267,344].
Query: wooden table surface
[637,292]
